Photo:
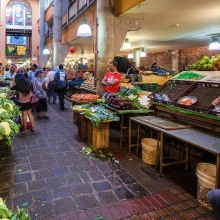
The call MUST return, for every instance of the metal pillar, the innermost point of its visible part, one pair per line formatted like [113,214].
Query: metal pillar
[42,32]
[57,33]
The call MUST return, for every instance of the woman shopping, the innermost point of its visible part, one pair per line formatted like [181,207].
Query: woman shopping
[22,85]
[39,91]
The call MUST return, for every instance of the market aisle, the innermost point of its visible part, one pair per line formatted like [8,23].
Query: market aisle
[53,180]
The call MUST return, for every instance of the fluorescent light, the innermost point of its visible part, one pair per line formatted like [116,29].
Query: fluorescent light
[126,44]
[215,45]
[143,54]
[84,29]
[130,56]
[46,51]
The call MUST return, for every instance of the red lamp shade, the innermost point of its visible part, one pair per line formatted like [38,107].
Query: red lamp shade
[72,49]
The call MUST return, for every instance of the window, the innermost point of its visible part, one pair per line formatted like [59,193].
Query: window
[47,3]
[18,14]
[73,10]
[82,4]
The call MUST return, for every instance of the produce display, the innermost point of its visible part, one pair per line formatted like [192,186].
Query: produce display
[189,75]
[5,92]
[99,114]
[125,99]
[88,84]
[84,98]
[204,63]
[118,103]
[8,112]
[4,83]
[6,213]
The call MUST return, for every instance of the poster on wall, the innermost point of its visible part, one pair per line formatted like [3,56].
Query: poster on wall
[19,50]
[10,49]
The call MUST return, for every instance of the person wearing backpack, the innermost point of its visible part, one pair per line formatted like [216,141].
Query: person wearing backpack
[61,84]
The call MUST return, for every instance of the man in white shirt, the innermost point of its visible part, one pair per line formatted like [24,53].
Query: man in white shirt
[50,85]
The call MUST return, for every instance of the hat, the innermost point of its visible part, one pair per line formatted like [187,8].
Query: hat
[38,72]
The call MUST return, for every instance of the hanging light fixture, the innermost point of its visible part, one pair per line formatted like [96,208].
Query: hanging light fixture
[215,45]
[126,44]
[130,55]
[46,51]
[9,61]
[84,29]
[143,53]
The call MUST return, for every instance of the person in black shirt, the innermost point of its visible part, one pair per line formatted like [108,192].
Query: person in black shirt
[132,69]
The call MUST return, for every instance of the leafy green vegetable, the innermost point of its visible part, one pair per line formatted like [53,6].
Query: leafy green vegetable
[189,75]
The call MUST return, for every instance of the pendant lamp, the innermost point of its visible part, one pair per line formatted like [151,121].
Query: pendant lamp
[215,45]
[84,29]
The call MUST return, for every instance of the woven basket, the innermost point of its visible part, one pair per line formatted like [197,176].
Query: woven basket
[150,150]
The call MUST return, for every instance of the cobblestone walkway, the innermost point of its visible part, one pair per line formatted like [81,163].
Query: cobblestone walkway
[53,180]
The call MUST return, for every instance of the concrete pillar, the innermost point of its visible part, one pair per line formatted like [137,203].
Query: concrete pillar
[42,33]
[137,57]
[175,60]
[105,42]
[57,33]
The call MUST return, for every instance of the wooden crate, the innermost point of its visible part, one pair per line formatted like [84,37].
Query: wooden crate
[5,150]
[75,116]
[98,136]
[82,126]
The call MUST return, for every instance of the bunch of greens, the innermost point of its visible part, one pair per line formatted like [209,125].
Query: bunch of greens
[6,214]
[189,75]
[99,114]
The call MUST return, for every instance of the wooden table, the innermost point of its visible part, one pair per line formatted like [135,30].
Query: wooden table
[197,138]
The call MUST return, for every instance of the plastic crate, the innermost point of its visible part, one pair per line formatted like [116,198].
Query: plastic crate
[150,87]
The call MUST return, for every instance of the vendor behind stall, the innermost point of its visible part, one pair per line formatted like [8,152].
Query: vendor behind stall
[112,79]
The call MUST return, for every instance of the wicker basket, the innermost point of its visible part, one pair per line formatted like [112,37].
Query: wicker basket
[150,150]
[206,174]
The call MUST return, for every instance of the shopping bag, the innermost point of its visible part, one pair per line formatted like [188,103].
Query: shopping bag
[34,100]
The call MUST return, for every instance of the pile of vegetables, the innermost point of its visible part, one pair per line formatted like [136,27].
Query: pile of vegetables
[8,112]
[125,99]
[85,98]
[88,84]
[189,75]
[5,92]
[205,62]
[6,214]
[118,103]
[99,114]
[4,83]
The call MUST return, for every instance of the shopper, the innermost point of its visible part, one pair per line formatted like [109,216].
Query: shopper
[132,70]
[214,199]
[61,85]
[112,79]
[10,74]
[38,88]
[23,86]
[50,83]
[32,72]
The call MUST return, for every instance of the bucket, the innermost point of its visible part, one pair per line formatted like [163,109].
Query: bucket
[206,177]
[150,151]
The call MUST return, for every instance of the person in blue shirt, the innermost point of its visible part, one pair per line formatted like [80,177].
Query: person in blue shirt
[61,84]
[32,72]
[10,74]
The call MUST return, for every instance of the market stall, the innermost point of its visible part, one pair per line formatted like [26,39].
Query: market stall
[99,113]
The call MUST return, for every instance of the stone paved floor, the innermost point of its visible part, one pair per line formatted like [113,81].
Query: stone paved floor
[53,180]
